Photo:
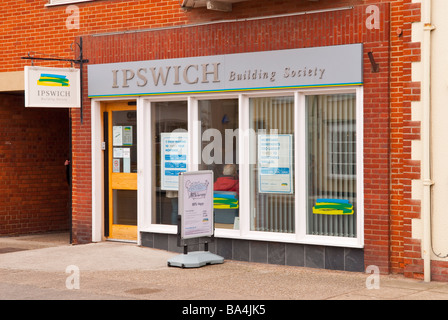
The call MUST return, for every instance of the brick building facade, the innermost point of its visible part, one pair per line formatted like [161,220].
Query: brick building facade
[132,31]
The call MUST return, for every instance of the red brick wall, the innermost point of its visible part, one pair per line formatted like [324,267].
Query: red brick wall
[33,188]
[30,26]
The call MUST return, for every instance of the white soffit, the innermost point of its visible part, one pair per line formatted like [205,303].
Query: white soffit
[219,5]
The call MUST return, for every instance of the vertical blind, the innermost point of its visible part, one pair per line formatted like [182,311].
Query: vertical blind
[331,165]
[271,212]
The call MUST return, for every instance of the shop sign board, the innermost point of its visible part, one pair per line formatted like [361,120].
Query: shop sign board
[268,70]
[196,204]
[52,87]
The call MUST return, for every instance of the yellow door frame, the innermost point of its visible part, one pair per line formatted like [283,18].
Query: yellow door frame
[120,181]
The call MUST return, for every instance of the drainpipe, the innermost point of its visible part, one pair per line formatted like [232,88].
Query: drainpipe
[426,136]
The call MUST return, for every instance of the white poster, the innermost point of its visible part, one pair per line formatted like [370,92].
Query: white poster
[117,133]
[52,87]
[126,160]
[196,204]
[118,153]
[275,163]
[174,157]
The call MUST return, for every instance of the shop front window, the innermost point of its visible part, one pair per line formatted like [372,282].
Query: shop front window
[285,166]
[219,152]
[331,165]
[170,156]
[272,175]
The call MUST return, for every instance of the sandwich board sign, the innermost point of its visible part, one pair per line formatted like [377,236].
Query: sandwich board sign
[196,217]
[196,204]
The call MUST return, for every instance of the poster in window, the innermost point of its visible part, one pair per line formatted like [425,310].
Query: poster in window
[122,136]
[174,157]
[127,135]
[127,160]
[117,133]
[116,165]
[275,163]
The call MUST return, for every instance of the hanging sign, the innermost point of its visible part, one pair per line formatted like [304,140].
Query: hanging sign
[196,204]
[275,172]
[174,157]
[52,87]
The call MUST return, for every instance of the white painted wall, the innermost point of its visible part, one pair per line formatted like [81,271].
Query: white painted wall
[439,130]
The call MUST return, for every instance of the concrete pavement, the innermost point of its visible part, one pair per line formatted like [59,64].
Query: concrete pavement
[47,267]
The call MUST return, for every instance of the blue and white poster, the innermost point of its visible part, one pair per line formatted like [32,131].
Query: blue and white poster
[275,163]
[174,157]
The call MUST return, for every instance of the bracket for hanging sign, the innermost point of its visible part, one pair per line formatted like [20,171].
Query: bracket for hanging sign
[375,66]
[81,61]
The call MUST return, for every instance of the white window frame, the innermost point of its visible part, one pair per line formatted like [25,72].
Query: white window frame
[144,123]
[357,242]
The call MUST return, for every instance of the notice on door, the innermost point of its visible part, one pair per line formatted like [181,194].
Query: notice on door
[174,157]
[275,163]
[122,136]
[127,136]
[196,204]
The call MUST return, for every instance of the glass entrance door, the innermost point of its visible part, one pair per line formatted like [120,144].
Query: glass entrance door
[121,166]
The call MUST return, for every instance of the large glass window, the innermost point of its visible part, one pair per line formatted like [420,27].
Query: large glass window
[272,175]
[170,149]
[331,165]
[295,175]
[219,153]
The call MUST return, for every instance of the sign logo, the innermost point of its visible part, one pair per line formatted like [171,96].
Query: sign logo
[53,80]
[333,207]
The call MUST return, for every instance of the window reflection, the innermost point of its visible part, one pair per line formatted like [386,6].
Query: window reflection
[219,153]
[170,118]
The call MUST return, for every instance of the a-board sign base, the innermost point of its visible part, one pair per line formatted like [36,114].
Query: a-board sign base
[195,259]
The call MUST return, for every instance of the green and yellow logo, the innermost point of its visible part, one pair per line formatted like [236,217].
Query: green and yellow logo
[333,207]
[53,80]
